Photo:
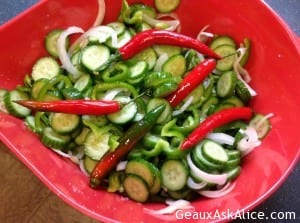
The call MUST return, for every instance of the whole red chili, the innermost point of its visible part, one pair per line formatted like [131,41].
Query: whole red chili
[191,81]
[126,143]
[214,121]
[79,107]
[150,37]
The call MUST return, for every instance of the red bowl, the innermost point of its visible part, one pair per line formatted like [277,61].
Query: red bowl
[273,66]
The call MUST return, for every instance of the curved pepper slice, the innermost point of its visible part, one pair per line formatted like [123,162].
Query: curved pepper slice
[214,121]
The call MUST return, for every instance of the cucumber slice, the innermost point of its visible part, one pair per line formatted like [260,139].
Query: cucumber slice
[51,42]
[122,40]
[234,100]
[242,92]
[37,86]
[166,114]
[226,84]
[232,163]
[174,175]
[147,55]
[176,65]
[45,67]
[14,108]
[156,187]
[64,123]
[89,164]
[126,114]
[136,188]
[214,152]
[167,49]
[233,154]
[3,92]
[226,63]
[83,83]
[94,56]
[202,162]
[96,145]
[261,124]
[144,169]
[247,45]
[233,173]
[54,140]
[137,72]
[222,40]
[166,6]
[118,27]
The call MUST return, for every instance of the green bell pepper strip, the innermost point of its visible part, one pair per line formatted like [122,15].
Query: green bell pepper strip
[126,144]
[131,15]
[103,87]
[51,83]
[116,72]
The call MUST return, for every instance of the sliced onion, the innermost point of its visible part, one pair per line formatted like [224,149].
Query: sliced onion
[121,165]
[59,152]
[219,179]
[73,158]
[111,94]
[160,61]
[194,185]
[185,106]
[203,36]
[101,13]
[238,68]
[218,193]
[270,115]
[82,168]
[173,206]
[62,52]
[249,142]
[221,138]
[172,24]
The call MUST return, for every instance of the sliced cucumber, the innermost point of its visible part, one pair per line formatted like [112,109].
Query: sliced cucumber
[242,92]
[118,27]
[156,187]
[51,42]
[234,100]
[214,152]
[233,154]
[94,56]
[261,124]
[45,67]
[83,83]
[14,108]
[197,94]
[54,140]
[166,6]
[126,114]
[233,173]
[247,45]
[136,188]
[137,72]
[166,114]
[96,145]
[222,40]
[226,63]
[232,163]
[122,40]
[176,65]
[89,164]
[64,123]
[147,55]
[169,50]
[226,84]
[145,169]
[37,86]
[174,175]
[3,92]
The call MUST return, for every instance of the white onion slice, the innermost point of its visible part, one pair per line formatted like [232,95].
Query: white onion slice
[203,35]
[221,138]
[237,66]
[111,94]
[194,185]
[121,165]
[173,206]
[249,142]
[172,24]
[101,13]
[219,179]
[218,193]
[185,106]
[160,61]
[59,152]
[82,168]
[62,52]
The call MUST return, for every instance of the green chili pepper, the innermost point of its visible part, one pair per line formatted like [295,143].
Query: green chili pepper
[116,72]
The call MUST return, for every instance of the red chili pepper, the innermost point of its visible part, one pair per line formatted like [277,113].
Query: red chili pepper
[150,37]
[126,143]
[191,81]
[213,121]
[79,107]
